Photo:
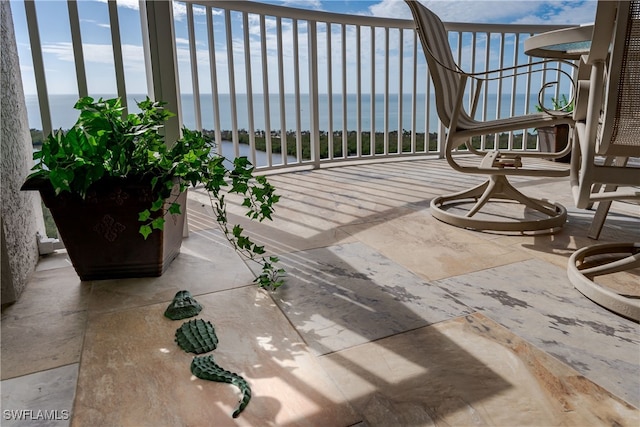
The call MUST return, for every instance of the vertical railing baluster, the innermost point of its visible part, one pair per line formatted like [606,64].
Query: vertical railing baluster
[458,53]
[117,53]
[249,86]
[232,83]
[358,92]
[485,89]
[496,138]
[414,95]
[146,46]
[76,41]
[527,98]
[459,49]
[511,138]
[296,79]
[427,117]
[314,132]
[38,66]
[266,92]
[345,136]
[195,84]
[487,66]
[400,88]
[385,139]
[472,86]
[283,112]
[157,25]
[557,89]
[213,70]
[329,94]
[372,96]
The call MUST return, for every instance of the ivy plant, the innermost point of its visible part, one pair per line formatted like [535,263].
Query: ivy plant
[105,142]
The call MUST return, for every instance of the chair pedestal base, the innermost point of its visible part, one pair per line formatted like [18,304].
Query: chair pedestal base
[605,259]
[497,187]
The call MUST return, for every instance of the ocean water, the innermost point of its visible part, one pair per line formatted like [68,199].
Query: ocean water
[63,115]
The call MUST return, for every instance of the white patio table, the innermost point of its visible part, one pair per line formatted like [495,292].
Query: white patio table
[567,43]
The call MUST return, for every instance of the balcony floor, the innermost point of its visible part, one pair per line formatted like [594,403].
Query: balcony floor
[389,317]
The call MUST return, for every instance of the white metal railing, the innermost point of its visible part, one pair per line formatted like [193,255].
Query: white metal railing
[269,80]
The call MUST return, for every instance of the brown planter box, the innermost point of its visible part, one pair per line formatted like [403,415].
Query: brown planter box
[554,139]
[101,233]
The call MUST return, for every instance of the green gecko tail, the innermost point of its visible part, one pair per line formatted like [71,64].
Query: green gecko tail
[205,368]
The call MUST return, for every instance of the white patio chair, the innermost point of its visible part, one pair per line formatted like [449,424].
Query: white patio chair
[450,84]
[607,117]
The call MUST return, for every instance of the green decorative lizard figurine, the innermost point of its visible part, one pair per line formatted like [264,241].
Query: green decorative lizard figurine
[182,306]
[204,367]
[197,336]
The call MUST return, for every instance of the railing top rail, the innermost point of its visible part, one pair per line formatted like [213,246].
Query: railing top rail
[363,20]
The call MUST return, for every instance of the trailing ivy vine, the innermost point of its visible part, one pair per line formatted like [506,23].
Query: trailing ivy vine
[105,142]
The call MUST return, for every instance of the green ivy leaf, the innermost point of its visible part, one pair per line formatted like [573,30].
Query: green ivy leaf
[243,242]
[145,230]
[174,209]
[144,215]
[158,223]
[157,205]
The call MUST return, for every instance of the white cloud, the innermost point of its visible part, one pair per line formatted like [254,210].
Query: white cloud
[496,11]
[306,4]
[96,23]
[179,9]
[133,55]
[567,13]
[130,4]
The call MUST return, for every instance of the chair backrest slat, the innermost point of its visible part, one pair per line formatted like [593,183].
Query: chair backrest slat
[442,66]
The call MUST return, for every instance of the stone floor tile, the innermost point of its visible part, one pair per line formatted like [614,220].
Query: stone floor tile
[433,249]
[134,374]
[346,295]
[295,225]
[536,301]
[57,259]
[45,327]
[206,263]
[44,398]
[469,371]
[557,248]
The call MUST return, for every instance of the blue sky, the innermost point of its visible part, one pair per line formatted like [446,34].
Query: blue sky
[56,39]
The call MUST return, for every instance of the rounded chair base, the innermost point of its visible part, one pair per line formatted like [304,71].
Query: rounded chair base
[497,188]
[605,259]
[549,223]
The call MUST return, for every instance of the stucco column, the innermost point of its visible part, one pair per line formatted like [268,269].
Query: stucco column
[21,212]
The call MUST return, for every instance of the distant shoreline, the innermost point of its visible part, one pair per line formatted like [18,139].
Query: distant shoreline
[301,148]
[292,144]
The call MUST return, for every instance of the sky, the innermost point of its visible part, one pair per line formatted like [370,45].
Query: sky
[57,48]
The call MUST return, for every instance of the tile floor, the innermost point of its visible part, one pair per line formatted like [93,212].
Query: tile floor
[388,318]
